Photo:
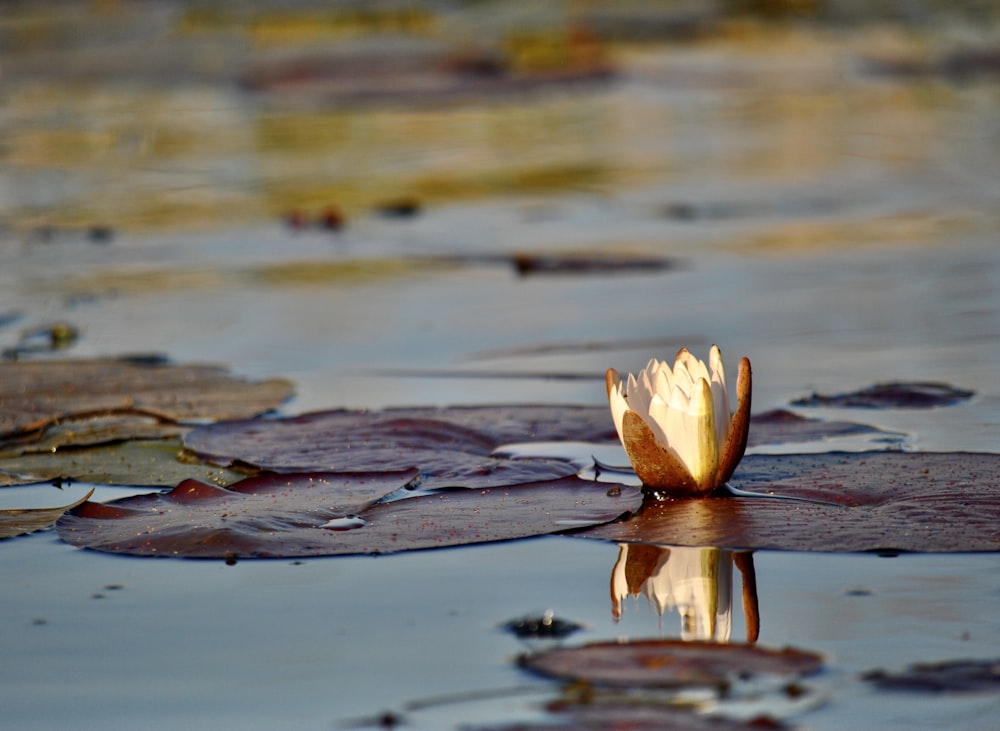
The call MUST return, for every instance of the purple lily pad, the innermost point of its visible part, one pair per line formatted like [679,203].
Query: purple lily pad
[892,395]
[874,501]
[325,514]
[451,447]
[668,663]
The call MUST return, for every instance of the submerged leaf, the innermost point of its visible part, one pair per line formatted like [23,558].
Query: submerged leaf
[324,514]
[18,522]
[873,501]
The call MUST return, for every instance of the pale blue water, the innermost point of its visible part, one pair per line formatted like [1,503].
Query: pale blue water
[835,243]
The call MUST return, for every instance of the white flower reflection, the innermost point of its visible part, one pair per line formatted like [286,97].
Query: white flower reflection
[695,582]
[675,423]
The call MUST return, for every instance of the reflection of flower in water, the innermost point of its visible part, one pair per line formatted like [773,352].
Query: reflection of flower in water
[697,582]
[675,423]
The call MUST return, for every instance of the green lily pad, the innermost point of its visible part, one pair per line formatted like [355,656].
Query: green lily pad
[140,462]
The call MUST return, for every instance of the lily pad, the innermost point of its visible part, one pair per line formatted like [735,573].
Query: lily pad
[668,663]
[892,395]
[35,395]
[872,501]
[451,446]
[18,522]
[325,514]
[952,676]
[144,462]
[634,717]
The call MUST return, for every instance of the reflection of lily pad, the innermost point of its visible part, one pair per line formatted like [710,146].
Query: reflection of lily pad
[18,522]
[667,663]
[36,394]
[323,514]
[137,462]
[875,501]
[632,716]
[954,676]
[893,395]
[451,446]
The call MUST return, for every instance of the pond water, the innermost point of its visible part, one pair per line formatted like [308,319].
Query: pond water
[835,225]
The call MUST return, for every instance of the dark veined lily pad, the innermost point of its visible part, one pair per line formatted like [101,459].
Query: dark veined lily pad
[36,394]
[450,446]
[18,522]
[873,501]
[325,514]
[668,663]
[892,395]
[953,676]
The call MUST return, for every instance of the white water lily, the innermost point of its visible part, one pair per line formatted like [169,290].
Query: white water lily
[675,423]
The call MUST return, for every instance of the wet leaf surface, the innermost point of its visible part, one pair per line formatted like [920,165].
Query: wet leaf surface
[451,446]
[18,522]
[136,462]
[668,663]
[35,395]
[892,395]
[953,676]
[325,514]
[875,501]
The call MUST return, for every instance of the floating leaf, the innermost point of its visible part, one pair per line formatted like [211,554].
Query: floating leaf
[953,676]
[36,394]
[873,501]
[323,514]
[892,395]
[668,663]
[18,522]
[451,446]
[137,462]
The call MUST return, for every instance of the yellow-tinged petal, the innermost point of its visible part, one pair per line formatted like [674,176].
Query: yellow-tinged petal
[739,427]
[703,462]
[720,395]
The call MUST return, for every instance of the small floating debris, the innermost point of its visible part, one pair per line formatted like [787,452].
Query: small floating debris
[543,626]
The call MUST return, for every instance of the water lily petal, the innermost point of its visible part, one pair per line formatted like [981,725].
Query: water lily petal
[682,376]
[739,428]
[658,467]
[703,461]
[616,399]
[659,414]
[720,394]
